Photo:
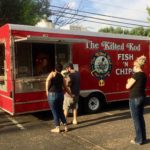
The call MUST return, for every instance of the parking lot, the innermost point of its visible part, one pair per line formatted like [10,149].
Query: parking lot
[109,130]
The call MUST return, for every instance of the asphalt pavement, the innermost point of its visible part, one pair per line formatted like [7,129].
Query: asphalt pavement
[111,129]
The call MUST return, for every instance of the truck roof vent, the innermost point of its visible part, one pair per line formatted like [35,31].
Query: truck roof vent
[45,23]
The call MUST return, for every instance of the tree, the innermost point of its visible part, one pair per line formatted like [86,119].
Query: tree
[138,31]
[126,31]
[135,31]
[147,32]
[148,10]
[118,30]
[112,30]
[23,11]
[107,30]
[65,15]
[42,8]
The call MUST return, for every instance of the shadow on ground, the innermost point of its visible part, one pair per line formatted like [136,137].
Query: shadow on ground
[122,106]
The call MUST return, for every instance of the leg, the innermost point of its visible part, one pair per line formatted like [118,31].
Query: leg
[135,113]
[75,110]
[75,116]
[66,113]
[142,121]
[52,103]
[66,105]
[60,111]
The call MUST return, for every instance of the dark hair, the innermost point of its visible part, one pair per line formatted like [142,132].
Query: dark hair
[70,65]
[44,58]
[58,67]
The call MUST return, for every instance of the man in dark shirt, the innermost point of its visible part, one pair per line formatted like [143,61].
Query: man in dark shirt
[73,82]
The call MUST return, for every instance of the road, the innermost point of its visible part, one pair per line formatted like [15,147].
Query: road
[111,129]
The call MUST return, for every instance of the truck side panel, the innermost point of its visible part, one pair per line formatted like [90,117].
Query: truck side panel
[6,100]
[122,53]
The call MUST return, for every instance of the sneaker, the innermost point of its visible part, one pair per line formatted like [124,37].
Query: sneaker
[75,122]
[134,142]
[56,130]
[66,129]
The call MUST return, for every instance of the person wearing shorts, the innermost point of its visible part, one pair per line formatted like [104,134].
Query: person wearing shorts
[73,82]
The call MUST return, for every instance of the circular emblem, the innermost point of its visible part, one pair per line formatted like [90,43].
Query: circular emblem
[101,65]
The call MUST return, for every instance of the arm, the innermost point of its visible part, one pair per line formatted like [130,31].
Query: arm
[48,82]
[130,83]
[66,88]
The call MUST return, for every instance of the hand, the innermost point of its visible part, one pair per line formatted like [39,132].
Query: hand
[129,80]
[72,95]
[47,94]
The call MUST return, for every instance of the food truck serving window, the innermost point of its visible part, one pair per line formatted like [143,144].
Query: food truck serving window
[2,58]
[2,62]
[23,60]
[36,56]
[3,78]
[36,59]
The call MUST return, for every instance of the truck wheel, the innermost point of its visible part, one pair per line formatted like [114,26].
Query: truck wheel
[94,103]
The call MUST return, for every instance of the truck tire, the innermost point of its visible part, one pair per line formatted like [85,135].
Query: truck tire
[94,103]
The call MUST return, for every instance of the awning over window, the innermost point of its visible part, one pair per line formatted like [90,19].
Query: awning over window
[39,39]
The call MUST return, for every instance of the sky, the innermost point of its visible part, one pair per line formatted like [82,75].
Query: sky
[130,9]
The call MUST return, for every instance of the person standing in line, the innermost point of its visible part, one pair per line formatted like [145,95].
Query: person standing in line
[137,84]
[54,90]
[73,82]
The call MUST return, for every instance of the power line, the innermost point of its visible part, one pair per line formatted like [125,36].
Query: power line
[118,6]
[133,24]
[100,14]
[79,19]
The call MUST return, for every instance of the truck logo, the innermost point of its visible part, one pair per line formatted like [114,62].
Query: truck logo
[101,66]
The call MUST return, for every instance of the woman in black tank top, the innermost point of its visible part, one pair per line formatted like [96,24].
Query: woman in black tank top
[54,90]
[56,83]
[137,84]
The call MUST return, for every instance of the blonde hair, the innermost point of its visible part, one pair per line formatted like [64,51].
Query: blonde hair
[141,60]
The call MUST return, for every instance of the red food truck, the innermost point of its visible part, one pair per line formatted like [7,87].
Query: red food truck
[29,53]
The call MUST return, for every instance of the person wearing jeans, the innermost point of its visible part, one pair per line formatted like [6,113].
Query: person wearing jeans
[56,103]
[137,84]
[137,110]
[55,83]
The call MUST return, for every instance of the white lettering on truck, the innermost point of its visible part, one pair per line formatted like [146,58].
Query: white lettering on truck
[122,59]
[125,57]
[132,47]
[112,46]
[123,71]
